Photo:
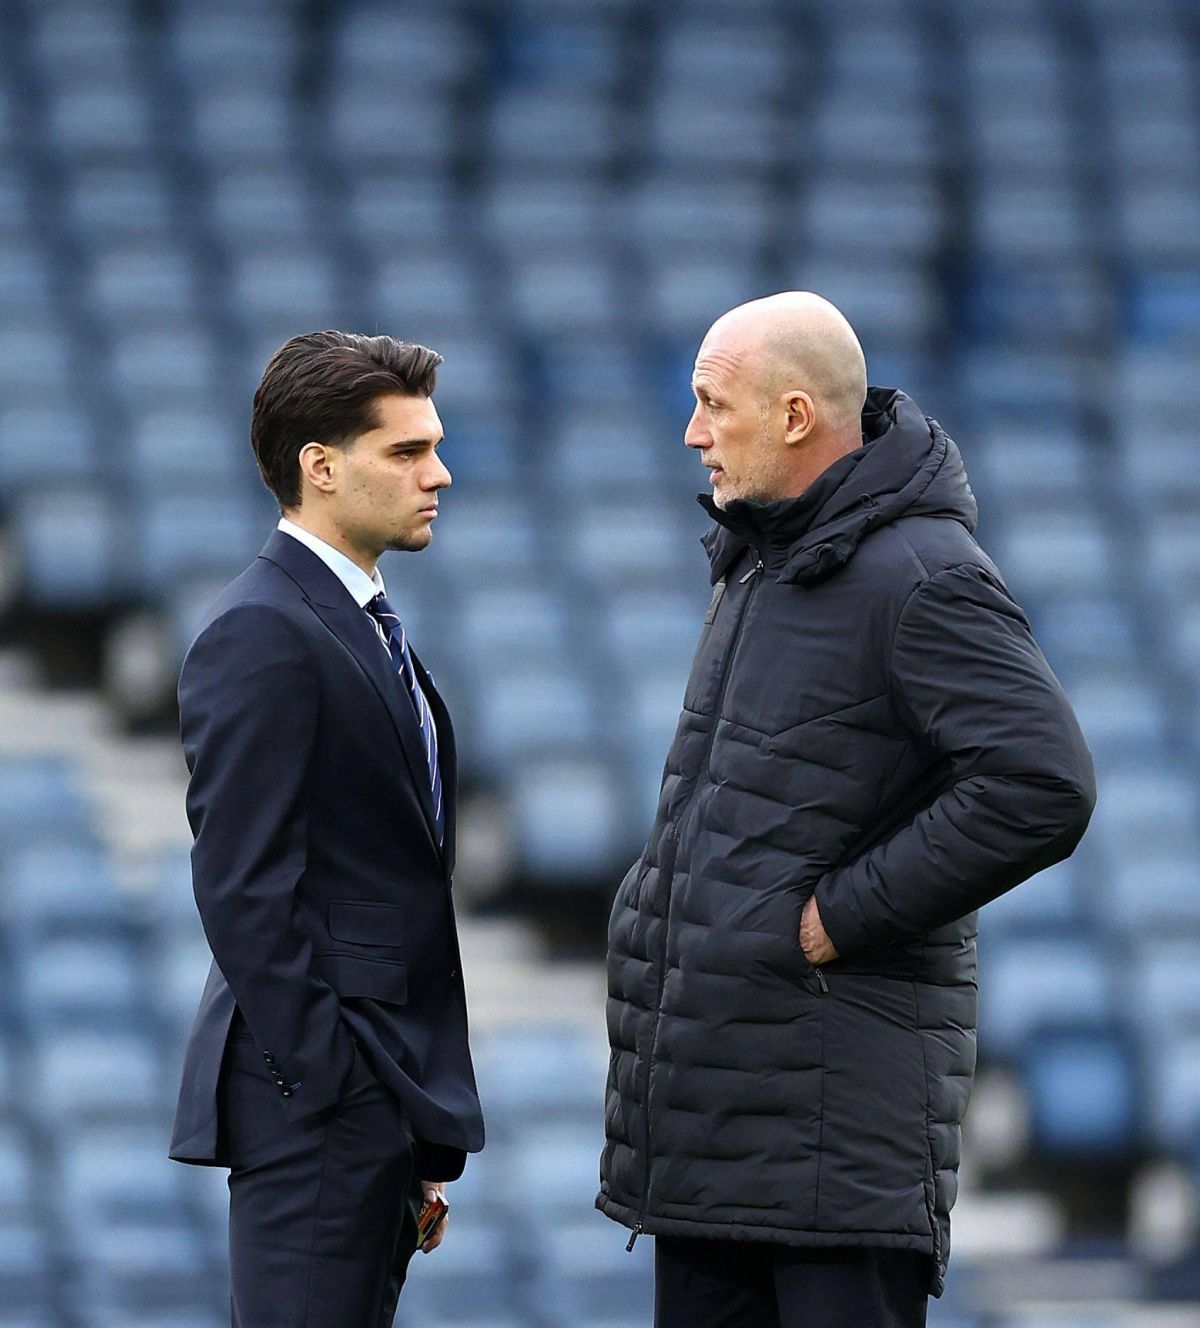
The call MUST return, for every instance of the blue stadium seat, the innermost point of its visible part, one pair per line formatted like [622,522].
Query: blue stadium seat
[130,283]
[1051,902]
[40,801]
[25,279]
[519,214]
[744,59]
[844,214]
[178,532]
[18,1176]
[256,209]
[885,132]
[1154,889]
[434,286]
[118,204]
[471,1286]
[542,1073]
[242,126]
[179,969]
[80,983]
[1173,1089]
[38,442]
[437,49]
[1073,552]
[572,296]
[569,817]
[563,130]
[1096,630]
[1121,713]
[1160,225]
[172,360]
[145,1268]
[1030,983]
[297,289]
[478,367]
[486,534]
[589,1275]
[27,1267]
[536,706]
[1146,802]
[567,52]
[1083,1095]
[1164,986]
[564,1171]
[652,633]
[507,625]
[671,215]
[1017,220]
[389,210]
[1041,303]
[890,305]
[69,540]
[101,1078]
[700,130]
[103,124]
[687,294]
[1165,307]
[398,128]
[35,360]
[230,46]
[116,1174]
[170,446]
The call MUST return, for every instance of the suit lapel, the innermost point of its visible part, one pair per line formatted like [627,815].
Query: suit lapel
[447,756]
[336,608]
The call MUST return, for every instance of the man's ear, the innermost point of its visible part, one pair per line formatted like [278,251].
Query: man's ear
[314,462]
[800,416]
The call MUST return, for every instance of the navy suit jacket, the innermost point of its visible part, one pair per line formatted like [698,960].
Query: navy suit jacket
[320,883]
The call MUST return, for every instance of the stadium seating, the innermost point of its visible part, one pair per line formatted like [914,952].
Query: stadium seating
[560,195]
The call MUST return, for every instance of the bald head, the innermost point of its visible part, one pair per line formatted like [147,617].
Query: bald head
[797,341]
[780,385]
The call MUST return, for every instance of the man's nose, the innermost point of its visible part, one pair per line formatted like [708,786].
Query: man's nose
[696,435]
[438,477]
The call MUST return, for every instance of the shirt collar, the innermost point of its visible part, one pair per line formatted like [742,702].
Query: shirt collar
[362,587]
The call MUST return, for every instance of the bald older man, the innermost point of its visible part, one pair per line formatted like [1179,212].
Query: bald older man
[871,748]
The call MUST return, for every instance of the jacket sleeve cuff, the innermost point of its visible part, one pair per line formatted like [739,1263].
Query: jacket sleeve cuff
[842,921]
[438,1161]
[319,1089]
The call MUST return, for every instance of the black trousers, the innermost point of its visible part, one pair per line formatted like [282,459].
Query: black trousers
[323,1211]
[741,1284]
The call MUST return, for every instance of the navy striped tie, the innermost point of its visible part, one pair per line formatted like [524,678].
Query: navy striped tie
[397,643]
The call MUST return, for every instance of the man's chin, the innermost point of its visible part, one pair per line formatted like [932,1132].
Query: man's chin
[413,542]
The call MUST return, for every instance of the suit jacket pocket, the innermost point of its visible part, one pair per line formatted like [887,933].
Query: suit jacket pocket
[363,923]
[358,975]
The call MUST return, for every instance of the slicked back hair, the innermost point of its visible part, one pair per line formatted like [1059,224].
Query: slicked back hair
[322,387]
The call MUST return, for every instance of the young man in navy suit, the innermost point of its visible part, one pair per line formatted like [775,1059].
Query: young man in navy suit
[328,1066]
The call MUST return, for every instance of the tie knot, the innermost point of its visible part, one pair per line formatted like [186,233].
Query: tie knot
[382,608]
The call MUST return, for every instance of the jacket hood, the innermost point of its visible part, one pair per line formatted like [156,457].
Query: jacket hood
[907,466]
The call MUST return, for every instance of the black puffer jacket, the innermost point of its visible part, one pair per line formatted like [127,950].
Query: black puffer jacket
[867,717]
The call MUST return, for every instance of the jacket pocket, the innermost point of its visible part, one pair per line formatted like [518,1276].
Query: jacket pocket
[363,923]
[358,975]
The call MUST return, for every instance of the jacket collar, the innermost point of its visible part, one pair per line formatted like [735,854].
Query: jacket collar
[336,608]
[906,465]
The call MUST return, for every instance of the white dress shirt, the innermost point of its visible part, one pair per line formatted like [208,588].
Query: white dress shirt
[364,588]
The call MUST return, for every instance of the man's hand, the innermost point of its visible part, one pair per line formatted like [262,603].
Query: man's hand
[817,947]
[435,1189]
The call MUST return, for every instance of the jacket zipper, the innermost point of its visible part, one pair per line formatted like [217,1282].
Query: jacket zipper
[639,1226]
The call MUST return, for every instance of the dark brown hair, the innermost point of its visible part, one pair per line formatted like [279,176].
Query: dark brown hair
[321,388]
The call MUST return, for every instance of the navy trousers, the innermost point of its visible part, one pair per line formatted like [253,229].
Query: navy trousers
[740,1284]
[323,1211]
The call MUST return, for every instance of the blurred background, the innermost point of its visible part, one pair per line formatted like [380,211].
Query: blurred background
[561,195]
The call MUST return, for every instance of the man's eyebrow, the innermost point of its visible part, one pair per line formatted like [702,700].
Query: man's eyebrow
[415,442]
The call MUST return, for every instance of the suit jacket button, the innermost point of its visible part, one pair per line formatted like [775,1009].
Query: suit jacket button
[287,1092]
[270,1060]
